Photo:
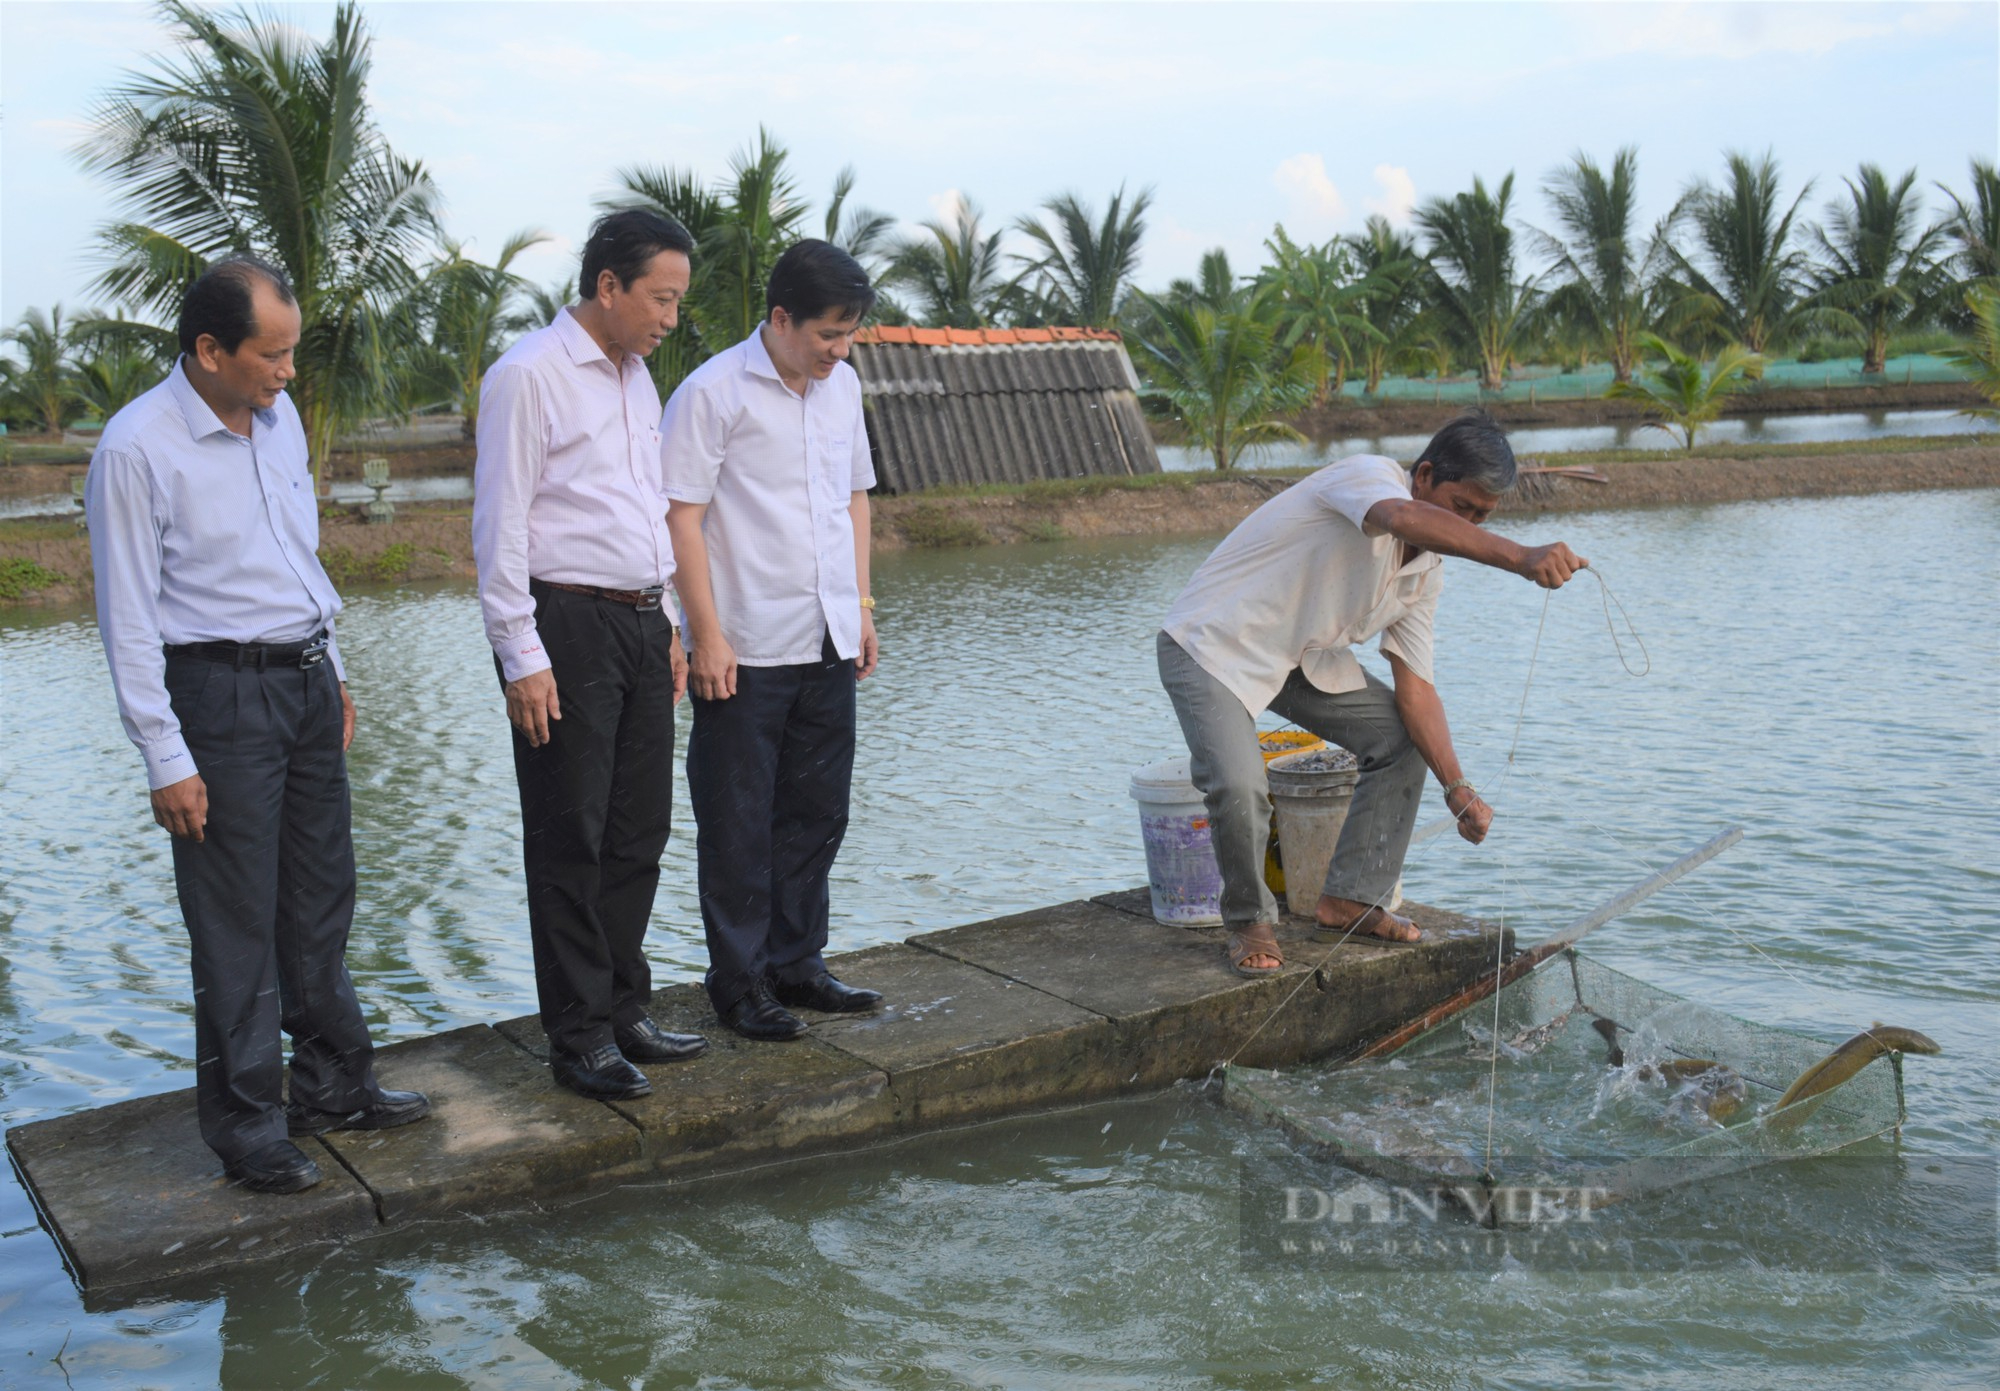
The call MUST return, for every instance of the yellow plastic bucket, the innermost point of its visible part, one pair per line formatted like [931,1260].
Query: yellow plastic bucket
[1276,743]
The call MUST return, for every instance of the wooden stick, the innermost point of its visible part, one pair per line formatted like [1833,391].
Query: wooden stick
[1568,937]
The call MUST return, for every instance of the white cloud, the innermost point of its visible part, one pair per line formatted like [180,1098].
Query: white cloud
[1398,194]
[949,208]
[1313,205]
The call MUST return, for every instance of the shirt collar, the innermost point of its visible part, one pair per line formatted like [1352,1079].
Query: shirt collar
[202,421]
[757,357]
[576,340]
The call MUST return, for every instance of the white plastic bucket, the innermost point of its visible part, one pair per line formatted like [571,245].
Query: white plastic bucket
[1311,800]
[1180,858]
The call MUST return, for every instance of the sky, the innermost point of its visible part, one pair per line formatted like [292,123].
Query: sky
[1238,116]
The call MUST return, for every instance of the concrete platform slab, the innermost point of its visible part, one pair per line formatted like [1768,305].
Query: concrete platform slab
[1183,1011]
[961,1043]
[741,1102]
[134,1196]
[500,1131]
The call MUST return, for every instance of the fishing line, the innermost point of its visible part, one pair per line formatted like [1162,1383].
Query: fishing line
[1520,720]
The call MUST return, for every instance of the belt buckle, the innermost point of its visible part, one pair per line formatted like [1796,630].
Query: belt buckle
[313,655]
[649,598]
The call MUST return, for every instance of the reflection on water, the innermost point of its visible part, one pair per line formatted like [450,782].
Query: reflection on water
[1809,679]
[1565,439]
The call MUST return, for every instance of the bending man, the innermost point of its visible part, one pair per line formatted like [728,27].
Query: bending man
[1267,622]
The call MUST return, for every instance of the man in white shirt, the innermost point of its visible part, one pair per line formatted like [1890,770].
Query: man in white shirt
[569,531]
[1267,622]
[217,621]
[768,471]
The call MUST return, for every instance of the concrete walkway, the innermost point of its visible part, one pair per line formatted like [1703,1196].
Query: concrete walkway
[1077,1002]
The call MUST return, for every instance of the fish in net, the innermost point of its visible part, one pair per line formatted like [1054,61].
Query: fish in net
[1593,1087]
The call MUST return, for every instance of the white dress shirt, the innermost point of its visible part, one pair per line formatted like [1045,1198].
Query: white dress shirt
[567,483]
[778,472]
[1301,580]
[198,534]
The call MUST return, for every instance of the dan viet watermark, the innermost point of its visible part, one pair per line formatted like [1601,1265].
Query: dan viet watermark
[1876,1212]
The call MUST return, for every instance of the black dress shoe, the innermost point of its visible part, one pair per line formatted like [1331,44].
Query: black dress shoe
[759,1016]
[387,1111]
[602,1074]
[647,1042]
[279,1167]
[828,995]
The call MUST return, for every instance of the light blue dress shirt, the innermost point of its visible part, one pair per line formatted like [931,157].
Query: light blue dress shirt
[198,534]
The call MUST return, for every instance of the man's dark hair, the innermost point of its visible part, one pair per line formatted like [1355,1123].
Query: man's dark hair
[1472,447]
[625,243]
[219,305]
[814,277]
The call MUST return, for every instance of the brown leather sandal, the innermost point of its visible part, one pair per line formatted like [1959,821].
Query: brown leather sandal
[1367,930]
[1258,939]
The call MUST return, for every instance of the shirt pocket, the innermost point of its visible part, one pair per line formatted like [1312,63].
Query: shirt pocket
[836,467]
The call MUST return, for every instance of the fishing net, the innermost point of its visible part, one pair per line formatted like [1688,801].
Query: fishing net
[1695,1096]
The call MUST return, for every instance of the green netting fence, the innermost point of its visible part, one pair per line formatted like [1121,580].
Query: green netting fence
[1552,384]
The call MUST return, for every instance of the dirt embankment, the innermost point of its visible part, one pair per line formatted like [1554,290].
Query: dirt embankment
[47,560]
[1205,504]
[1345,419]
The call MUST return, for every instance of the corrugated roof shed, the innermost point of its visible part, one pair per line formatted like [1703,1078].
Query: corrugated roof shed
[999,405]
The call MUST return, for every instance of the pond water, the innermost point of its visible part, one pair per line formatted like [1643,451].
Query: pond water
[1569,439]
[1821,671]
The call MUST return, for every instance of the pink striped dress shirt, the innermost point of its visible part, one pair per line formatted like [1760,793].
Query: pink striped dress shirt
[568,484]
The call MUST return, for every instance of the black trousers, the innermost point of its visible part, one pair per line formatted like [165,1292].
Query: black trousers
[596,807]
[769,772]
[268,897]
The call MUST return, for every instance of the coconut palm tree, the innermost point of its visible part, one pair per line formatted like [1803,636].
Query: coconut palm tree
[952,271]
[1980,356]
[1880,262]
[109,381]
[1685,395]
[1471,282]
[250,136]
[863,233]
[1389,262]
[43,383]
[1082,263]
[1318,298]
[1756,286]
[472,310]
[1973,228]
[1223,374]
[1603,268]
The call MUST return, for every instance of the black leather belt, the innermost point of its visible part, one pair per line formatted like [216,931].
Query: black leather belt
[257,655]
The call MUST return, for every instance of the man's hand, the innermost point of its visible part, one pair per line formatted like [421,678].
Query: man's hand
[532,703]
[1550,566]
[871,648]
[346,719]
[182,807]
[1475,818]
[712,669]
[677,656]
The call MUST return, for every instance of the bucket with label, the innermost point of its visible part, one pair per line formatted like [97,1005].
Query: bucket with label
[1180,858]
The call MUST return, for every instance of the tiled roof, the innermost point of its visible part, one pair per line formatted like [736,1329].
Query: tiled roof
[956,405]
[981,337]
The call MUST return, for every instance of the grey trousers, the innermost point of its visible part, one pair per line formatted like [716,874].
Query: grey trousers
[1228,769]
[268,897]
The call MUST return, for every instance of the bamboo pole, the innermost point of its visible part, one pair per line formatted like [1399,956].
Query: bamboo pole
[1542,951]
